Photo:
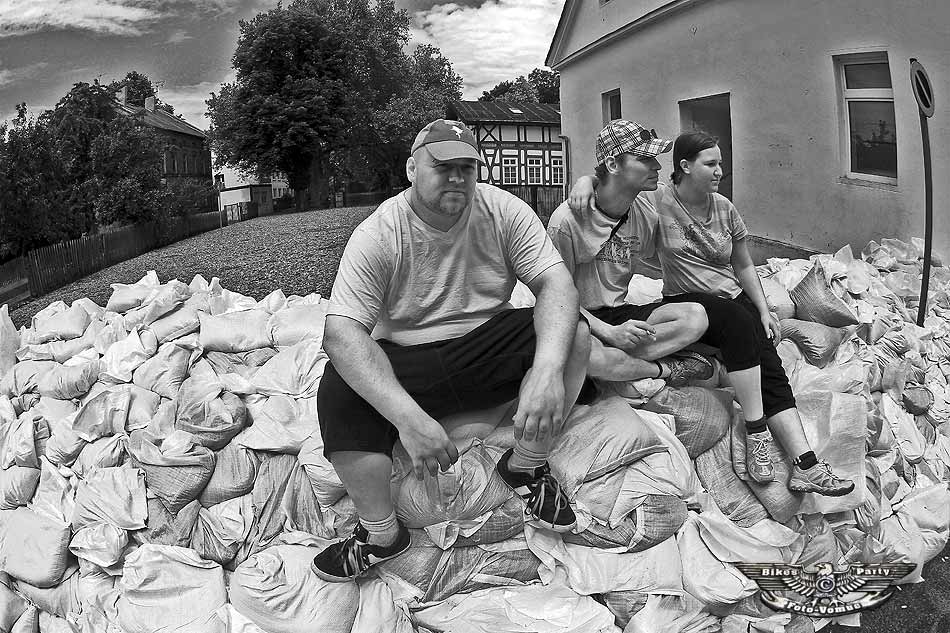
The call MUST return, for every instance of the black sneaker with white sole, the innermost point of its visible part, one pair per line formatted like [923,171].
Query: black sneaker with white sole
[350,558]
[545,501]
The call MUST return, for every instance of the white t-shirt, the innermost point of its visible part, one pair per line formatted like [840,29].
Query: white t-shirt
[411,283]
[602,260]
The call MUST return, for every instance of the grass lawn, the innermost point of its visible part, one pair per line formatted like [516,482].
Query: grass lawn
[299,254]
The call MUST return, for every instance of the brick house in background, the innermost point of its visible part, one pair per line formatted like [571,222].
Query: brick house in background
[521,146]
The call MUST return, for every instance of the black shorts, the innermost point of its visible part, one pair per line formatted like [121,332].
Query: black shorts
[479,370]
[626,312]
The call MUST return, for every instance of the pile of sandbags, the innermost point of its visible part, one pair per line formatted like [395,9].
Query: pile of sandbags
[161,466]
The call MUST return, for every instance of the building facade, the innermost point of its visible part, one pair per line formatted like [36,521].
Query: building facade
[811,101]
[521,146]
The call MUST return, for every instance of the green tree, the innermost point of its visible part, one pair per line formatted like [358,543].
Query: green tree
[547,83]
[138,88]
[540,86]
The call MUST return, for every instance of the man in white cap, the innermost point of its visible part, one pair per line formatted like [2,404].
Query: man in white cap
[419,328]
[605,245]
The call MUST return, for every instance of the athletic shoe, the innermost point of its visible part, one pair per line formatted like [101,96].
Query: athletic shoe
[350,558]
[758,456]
[545,502]
[819,479]
[686,366]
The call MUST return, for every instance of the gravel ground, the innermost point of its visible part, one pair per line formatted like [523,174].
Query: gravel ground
[297,252]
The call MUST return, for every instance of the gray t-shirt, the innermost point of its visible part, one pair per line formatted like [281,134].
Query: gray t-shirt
[411,283]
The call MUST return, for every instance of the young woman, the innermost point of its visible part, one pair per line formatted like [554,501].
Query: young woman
[700,241]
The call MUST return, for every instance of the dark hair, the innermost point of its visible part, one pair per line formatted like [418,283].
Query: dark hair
[687,146]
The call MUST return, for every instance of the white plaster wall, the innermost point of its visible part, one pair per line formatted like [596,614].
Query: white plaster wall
[774,57]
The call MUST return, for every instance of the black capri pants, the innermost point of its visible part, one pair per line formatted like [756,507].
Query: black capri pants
[736,329]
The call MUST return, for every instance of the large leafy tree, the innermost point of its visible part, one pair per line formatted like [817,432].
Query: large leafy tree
[540,86]
[138,88]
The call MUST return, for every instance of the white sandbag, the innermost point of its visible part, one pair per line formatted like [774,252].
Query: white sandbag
[12,605]
[104,415]
[235,469]
[173,586]
[99,543]
[273,302]
[778,299]
[17,485]
[60,600]
[295,371]
[33,548]
[164,372]
[222,301]
[50,623]
[55,496]
[326,483]
[176,467]
[66,383]
[544,609]
[127,296]
[910,441]
[178,323]
[276,590]
[64,444]
[220,530]
[234,331]
[61,326]
[211,415]
[9,341]
[673,614]
[377,612]
[18,440]
[62,351]
[766,541]
[705,576]
[278,423]
[160,302]
[106,452]
[113,495]
[112,331]
[599,439]
[24,376]
[235,622]
[702,415]
[298,323]
[122,358]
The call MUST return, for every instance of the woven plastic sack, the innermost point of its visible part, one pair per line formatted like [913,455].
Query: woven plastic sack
[778,299]
[222,301]
[599,439]
[211,415]
[438,574]
[162,301]
[19,438]
[244,364]
[124,357]
[164,528]
[705,577]
[59,600]
[165,372]
[301,510]
[780,502]
[106,452]
[235,470]
[326,483]
[298,323]
[234,331]
[267,499]
[24,376]
[9,341]
[815,301]
[99,543]
[61,326]
[173,586]
[33,548]
[55,494]
[113,495]
[66,383]
[652,522]
[276,590]
[295,371]
[176,467]
[12,605]
[64,444]
[731,494]
[62,351]
[278,424]
[220,530]
[702,415]
[17,485]
[175,324]
[127,296]
[817,342]
[467,490]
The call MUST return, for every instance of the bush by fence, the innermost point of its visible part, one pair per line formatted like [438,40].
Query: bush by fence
[54,266]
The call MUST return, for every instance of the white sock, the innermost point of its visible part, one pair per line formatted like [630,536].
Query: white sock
[525,460]
[383,532]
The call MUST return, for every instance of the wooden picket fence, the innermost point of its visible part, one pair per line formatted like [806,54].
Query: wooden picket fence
[51,267]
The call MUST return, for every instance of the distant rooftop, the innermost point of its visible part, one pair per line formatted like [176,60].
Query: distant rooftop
[505,112]
[161,119]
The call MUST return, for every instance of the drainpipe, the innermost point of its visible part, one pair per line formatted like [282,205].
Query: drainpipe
[566,152]
[923,92]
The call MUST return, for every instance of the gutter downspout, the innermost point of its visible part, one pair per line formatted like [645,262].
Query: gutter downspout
[566,152]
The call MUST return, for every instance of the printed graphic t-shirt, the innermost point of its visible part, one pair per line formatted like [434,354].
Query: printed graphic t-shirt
[696,255]
[603,256]
[410,283]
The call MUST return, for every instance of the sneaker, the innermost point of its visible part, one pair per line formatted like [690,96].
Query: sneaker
[545,502]
[819,479]
[686,366]
[350,558]
[758,456]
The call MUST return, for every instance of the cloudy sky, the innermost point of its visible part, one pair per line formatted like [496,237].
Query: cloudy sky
[47,45]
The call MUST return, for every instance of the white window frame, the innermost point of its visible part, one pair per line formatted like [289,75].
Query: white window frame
[846,96]
[557,171]
[535,170]
[509,162]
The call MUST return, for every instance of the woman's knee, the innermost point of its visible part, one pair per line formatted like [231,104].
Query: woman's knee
[694,319]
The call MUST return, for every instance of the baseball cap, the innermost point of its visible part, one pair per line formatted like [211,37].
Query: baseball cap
[621,136]
[446,140]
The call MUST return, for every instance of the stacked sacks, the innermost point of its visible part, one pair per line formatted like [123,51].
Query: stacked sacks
[170,439]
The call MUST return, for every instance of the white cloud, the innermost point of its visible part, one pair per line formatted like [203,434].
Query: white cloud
[114,17]
[189,101]
[498,40]
[177,37]
[12,75]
